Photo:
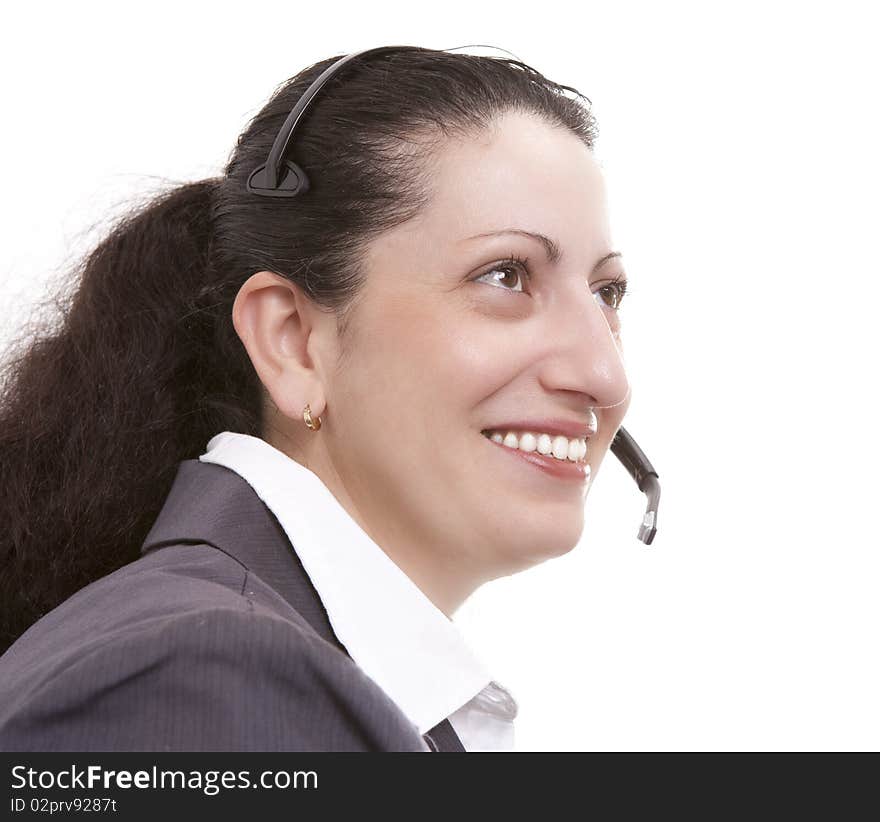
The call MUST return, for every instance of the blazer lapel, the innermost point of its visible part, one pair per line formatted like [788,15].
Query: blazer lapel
[212,504]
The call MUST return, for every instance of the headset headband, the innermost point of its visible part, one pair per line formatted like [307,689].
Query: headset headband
[278,177]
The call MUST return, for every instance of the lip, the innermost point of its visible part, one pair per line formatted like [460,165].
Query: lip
[566,428]
[572,471]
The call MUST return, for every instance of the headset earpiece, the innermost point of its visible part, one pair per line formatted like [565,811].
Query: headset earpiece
[293,182]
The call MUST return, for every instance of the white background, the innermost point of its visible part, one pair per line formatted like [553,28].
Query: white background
[740,148]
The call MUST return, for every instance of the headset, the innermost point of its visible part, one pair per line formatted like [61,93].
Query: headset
[282,177]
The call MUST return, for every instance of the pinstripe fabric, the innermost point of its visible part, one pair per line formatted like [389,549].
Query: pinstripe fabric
[214,640]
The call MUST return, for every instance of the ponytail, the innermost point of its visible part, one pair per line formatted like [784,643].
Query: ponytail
[96,414]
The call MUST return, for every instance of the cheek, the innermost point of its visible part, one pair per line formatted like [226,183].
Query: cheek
[394,380]
[427,366]
[454,364]
[424,353]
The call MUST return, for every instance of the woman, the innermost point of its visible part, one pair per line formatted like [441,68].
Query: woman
[278,441]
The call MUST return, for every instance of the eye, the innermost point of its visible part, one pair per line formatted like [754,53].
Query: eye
[617,290]
[515,268]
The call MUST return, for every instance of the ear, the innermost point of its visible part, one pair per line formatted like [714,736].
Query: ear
[285,335]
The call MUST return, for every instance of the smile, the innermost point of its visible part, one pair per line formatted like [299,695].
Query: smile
[559,447]
[549,454]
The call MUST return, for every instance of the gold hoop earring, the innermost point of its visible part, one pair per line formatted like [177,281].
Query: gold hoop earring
[314,424]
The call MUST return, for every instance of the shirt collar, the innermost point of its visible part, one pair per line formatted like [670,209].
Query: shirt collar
[389,627]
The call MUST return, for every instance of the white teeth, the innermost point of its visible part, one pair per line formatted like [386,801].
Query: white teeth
[528,442]
[562,448]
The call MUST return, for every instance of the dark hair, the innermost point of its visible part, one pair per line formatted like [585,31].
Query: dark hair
[144,365]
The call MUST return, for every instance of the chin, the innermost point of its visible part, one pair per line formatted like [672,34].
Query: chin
[521,552]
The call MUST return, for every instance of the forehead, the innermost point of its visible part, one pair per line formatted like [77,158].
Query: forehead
[520,172]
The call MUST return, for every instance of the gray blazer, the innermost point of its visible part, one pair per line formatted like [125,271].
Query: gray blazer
[214,640]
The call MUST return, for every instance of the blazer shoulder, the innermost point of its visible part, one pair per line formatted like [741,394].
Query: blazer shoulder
[220,678]
[163,585]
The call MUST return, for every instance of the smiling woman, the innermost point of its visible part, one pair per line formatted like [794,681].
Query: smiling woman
[279,440]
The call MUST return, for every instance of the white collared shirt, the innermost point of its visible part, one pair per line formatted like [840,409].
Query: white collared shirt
[400,639]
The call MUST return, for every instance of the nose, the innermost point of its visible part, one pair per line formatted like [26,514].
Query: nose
[584,352]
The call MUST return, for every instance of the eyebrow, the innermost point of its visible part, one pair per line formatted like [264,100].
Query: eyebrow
[554,253]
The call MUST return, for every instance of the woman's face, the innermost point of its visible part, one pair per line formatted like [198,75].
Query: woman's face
[448,343]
